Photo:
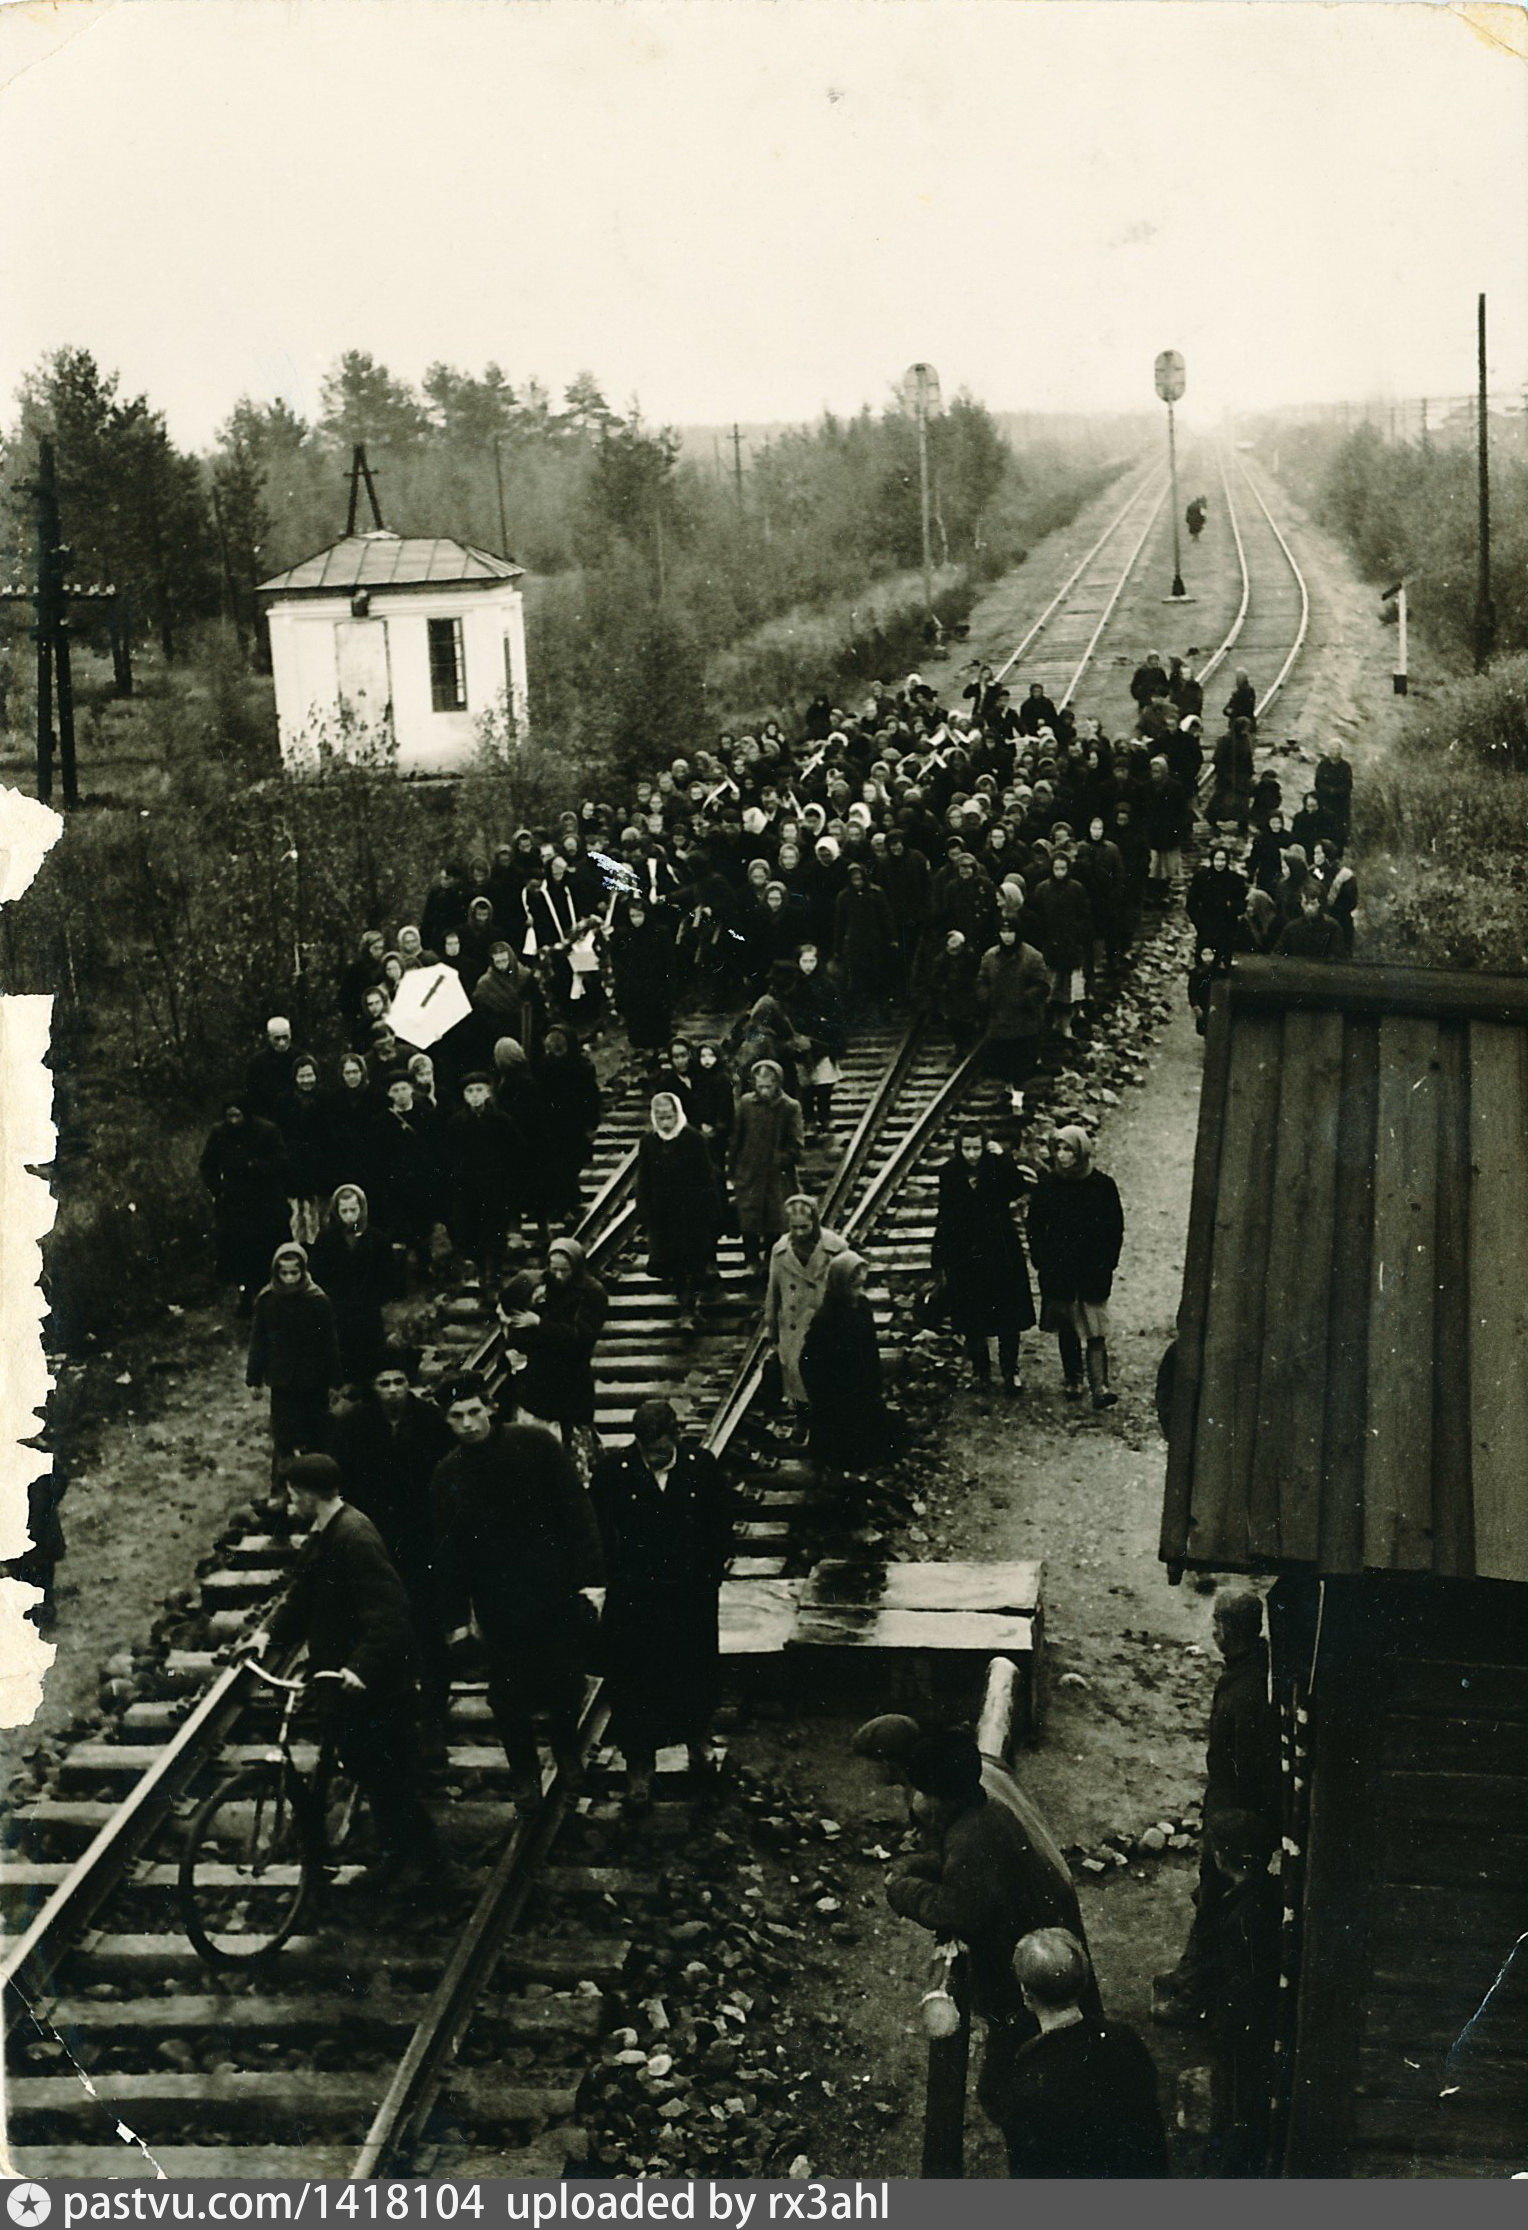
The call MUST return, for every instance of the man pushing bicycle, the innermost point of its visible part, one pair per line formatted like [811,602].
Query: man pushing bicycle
[348,1604]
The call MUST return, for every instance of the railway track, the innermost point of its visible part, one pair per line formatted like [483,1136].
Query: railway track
[351,2047]
[459,2042]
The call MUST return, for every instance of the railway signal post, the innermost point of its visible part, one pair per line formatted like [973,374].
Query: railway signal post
[921,389]
[1169,379]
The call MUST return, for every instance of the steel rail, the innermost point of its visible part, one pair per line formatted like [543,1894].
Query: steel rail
[1237,624]
[30,1964]
[1076,574]
[1283,673]
[1119,590]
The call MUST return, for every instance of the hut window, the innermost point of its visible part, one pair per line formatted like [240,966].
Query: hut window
[448,670]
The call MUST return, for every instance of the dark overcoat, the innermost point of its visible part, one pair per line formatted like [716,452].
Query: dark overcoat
[1076,1231]
[977,1249]
[666,1551]
[348,1603]
[243,1166]
[678,1204]
[850,1427]
[515,1541]
[767,1139]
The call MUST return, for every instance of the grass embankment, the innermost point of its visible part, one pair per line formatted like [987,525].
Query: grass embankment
[1441,830]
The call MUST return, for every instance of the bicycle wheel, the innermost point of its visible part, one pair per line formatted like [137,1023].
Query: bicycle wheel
[247,1868]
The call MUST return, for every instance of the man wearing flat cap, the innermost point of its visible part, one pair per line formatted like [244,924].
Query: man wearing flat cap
[348,1604]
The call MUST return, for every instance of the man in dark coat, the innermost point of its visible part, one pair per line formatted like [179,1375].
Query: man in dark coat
[388,1448]
[348,1604]
[979,1255]
[1313,934]
[481,1148]
[986,1883]
[1242,1774]
[243,1166]
[1079,2099]
[1334,790]
[517,1549]
[665,1519]
[268,1079]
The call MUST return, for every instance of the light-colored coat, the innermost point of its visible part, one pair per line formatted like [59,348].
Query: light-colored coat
[795,1294]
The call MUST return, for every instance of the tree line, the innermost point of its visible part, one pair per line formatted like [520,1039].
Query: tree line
[643,563]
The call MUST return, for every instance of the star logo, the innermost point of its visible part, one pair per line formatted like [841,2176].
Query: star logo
[28,2204]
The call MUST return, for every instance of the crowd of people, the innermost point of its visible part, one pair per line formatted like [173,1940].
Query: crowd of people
[984,863]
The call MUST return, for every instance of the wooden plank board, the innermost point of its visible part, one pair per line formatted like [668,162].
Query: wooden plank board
[1398,1470]
[1286,1471]
[1012,1586]
[1453,1525]
[1177,1500]
[1340,1534]
[1228,1393]
[1498,1236]
[1362,988]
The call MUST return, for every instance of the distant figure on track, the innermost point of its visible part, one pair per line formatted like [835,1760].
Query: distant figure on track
[1195,516]
[980,1257]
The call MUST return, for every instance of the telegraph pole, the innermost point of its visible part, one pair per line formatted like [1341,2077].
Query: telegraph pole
[1485,611]
[737,464]
[921,390]
[498,475]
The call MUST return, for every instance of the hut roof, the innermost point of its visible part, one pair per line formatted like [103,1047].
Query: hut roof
[384,560]
[1351,1390]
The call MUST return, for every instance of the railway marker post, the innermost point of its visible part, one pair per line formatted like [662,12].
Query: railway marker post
[1170,382]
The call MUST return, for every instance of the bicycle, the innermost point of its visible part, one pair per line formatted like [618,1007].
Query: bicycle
[263,1848]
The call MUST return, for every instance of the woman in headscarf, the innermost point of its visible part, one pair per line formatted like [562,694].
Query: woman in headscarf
[1065,921]
[643,967]
[851,1428]
[1311,824]
[356,1267]
[798,1279]
[1259,924]
[1013,989]
[865,944]
[1339,888]
[422,1077]
[1076,1231]
[555,1321]
[243,1167]
[1286,894]
[979,1255]
[1265,858]
[478,934]
[817,1009]
[294,1350]
[570,1093]
[519,1096]
[351,1127]
[1206,965]
[767,1140]
[411,948]
[678,1206]
[1217,896]
[500,999]
[302,1118]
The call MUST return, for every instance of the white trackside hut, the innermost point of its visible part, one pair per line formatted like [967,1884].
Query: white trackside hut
[420,635]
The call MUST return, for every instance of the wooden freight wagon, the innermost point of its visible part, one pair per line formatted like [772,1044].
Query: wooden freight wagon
[1350,1415]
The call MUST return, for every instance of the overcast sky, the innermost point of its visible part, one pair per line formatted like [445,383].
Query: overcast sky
[730,209]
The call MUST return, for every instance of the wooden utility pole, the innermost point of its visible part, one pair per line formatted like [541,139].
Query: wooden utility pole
[50,600]
[1485,610]
[737,465]
[498,474]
